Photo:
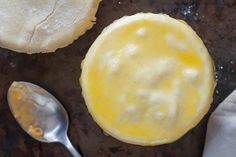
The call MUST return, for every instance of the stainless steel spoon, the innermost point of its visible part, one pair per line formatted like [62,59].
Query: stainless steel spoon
[40,114]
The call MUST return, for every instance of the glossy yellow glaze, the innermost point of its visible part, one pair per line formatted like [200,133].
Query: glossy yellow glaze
[147,79]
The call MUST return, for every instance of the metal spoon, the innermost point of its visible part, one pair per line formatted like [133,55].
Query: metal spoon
[40,114]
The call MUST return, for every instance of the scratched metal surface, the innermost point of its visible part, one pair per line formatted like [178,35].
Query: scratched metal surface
[213,20]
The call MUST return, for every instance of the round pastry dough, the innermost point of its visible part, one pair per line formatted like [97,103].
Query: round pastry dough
[34,26]
[148,79]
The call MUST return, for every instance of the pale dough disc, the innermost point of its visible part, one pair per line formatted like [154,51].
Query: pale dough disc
[148,79]
[34,26]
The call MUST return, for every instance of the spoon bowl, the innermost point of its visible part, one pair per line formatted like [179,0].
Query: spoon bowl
[40,114]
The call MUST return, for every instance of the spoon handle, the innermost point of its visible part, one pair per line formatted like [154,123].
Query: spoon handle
[66,142]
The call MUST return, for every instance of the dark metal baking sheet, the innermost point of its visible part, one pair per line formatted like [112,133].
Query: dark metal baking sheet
[59,72]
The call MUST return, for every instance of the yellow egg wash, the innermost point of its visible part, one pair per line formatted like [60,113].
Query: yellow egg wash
[21,107]
[147,79]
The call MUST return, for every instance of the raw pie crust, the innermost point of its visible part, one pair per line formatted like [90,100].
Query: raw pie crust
[34,26]
[148,79]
